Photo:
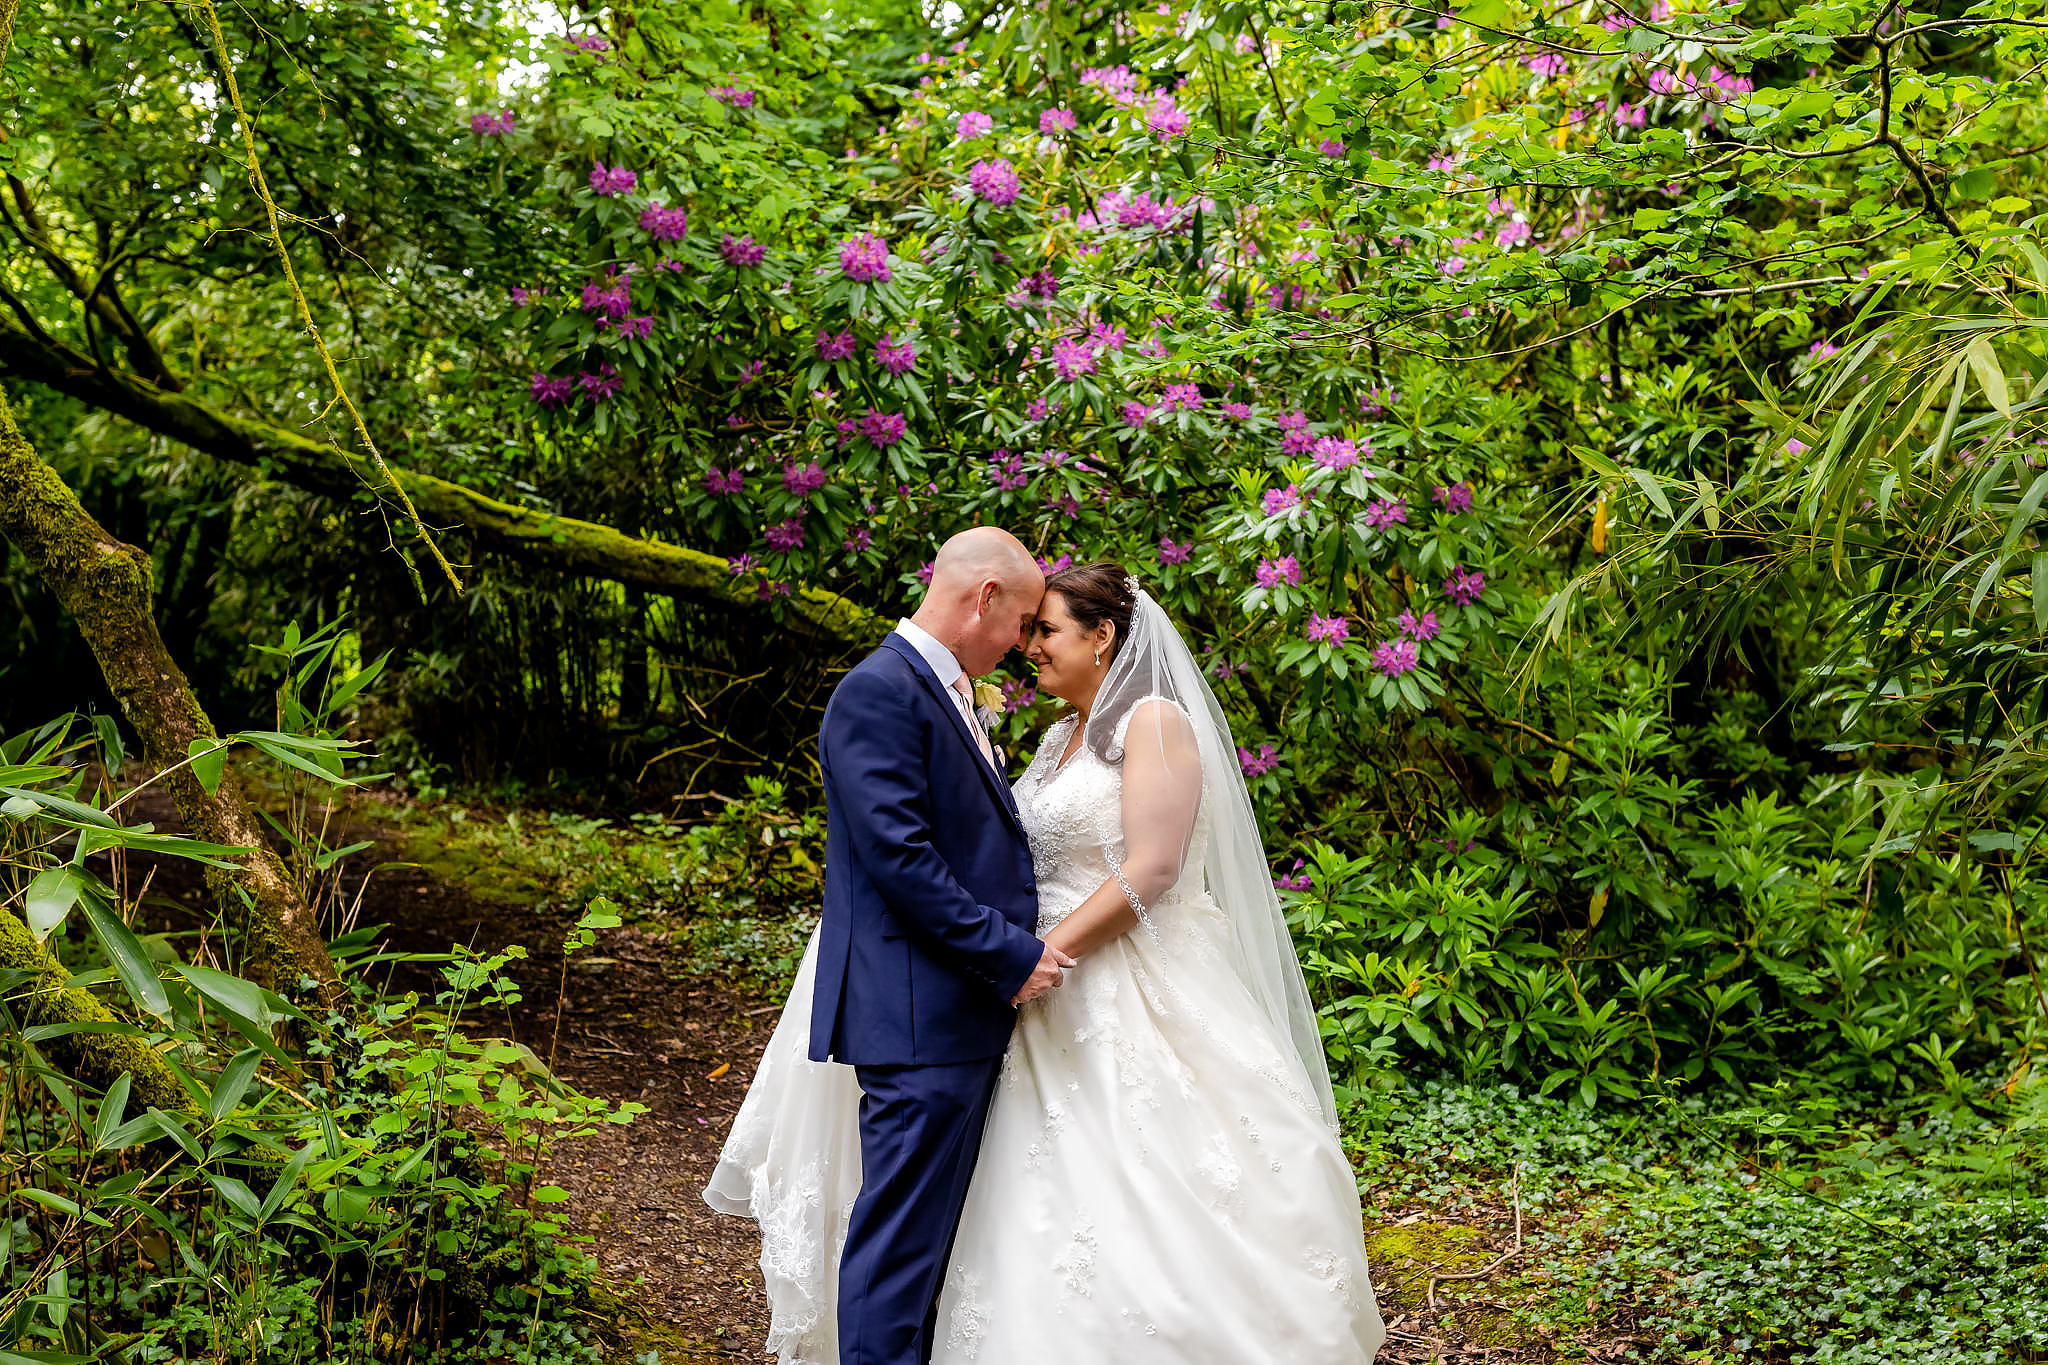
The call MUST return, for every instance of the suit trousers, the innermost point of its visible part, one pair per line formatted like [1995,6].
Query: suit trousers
[920,1131]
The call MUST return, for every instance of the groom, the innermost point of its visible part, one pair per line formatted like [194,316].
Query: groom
[927,942]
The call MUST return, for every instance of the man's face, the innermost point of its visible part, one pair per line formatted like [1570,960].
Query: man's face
[1007,612]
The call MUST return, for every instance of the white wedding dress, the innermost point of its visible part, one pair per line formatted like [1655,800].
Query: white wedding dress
[1158,1184]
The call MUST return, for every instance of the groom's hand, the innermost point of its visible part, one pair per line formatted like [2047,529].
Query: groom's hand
[1051,971]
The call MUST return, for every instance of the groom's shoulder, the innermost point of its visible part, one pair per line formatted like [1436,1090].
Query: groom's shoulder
[882,672]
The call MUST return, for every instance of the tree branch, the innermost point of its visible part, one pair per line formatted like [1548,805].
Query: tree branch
[566,544]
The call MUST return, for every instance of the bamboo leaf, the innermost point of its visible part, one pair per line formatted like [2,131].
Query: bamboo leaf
[51,895]
[2023,514]
[232,1083]
[1985,362]
[111,1109]
[131,960]
[2041,590]
[209,762]
[1991,574]
[1654,491]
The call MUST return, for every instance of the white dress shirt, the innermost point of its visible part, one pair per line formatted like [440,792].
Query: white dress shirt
[937,655]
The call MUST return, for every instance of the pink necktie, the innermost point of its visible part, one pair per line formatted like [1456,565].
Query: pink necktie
[967,705]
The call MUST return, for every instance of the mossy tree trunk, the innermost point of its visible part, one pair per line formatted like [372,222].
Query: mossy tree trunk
[105,586]
[96,1059]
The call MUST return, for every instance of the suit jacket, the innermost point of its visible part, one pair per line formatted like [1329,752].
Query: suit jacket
[930,904]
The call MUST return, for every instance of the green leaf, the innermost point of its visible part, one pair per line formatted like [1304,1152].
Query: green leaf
[209,762]
[1655,492]
[2023,513]
[111,1110]
[232,1083]
[243,999]
[1985,362]
[131,960]
[77,812]
[238,1194]
[2041,590]
[51,895]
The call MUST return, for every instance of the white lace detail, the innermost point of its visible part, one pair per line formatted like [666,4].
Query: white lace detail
[968,1326]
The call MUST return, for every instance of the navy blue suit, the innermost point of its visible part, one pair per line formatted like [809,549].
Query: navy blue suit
[927,933]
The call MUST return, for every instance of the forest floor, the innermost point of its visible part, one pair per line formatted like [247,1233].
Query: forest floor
[635,1019]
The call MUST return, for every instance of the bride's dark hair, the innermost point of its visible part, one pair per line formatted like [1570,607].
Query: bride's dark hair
[1095,593]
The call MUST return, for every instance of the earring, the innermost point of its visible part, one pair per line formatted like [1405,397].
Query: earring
[1098,658]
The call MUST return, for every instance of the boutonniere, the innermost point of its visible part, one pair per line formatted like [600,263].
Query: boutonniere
[988,701]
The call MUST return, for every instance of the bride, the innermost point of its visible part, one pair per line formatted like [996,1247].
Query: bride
[1161,1179]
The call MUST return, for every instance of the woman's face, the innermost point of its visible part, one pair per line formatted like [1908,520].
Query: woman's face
[1064,653]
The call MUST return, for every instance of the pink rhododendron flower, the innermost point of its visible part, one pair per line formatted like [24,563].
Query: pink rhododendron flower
[1049,567]
[973,124]
[1018,694]
[1060,119]
[1331,630]
[897,357]
[996,181]
[664,225]
[1464,586]
[491,125]
[1396,657]
[1456,498]
[1135,414]
[785,536]
[803,480]
[741,252]
[1238,412]
[1273,572]
[1423,627]
[1334,452]
[1330,146]
[590,42]
[723,485]
[835,348]
[1546,64]
[1513,235]
[1006,471]
[1279,500]
[1071,359]
[603,385]
[1170,553]
[550,393]
[1180,398]
[740,564]
[1292,421]
[636,329]
[733,96]
[1385,512]
[1257,764]
[609,297]
[617,180]
[884,429]
[864,259]
[1166,119]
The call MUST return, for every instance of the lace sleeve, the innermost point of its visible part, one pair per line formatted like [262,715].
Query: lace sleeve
[1162,794]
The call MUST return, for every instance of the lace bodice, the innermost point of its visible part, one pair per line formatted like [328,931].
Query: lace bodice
[1073,816]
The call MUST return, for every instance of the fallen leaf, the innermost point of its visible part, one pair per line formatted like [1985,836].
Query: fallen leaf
[722,1069]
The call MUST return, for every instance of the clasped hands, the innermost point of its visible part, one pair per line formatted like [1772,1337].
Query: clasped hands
[1051,971]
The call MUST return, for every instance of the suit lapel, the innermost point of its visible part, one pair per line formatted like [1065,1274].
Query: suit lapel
[944,696]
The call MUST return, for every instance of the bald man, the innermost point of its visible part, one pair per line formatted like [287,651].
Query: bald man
[927,943]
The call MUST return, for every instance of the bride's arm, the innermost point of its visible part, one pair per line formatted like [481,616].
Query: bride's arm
[1162,791]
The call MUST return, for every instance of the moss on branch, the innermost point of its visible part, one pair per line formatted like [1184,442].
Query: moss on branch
[568,544]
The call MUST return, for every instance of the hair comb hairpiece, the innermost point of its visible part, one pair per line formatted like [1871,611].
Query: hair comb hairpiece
[1131,584]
